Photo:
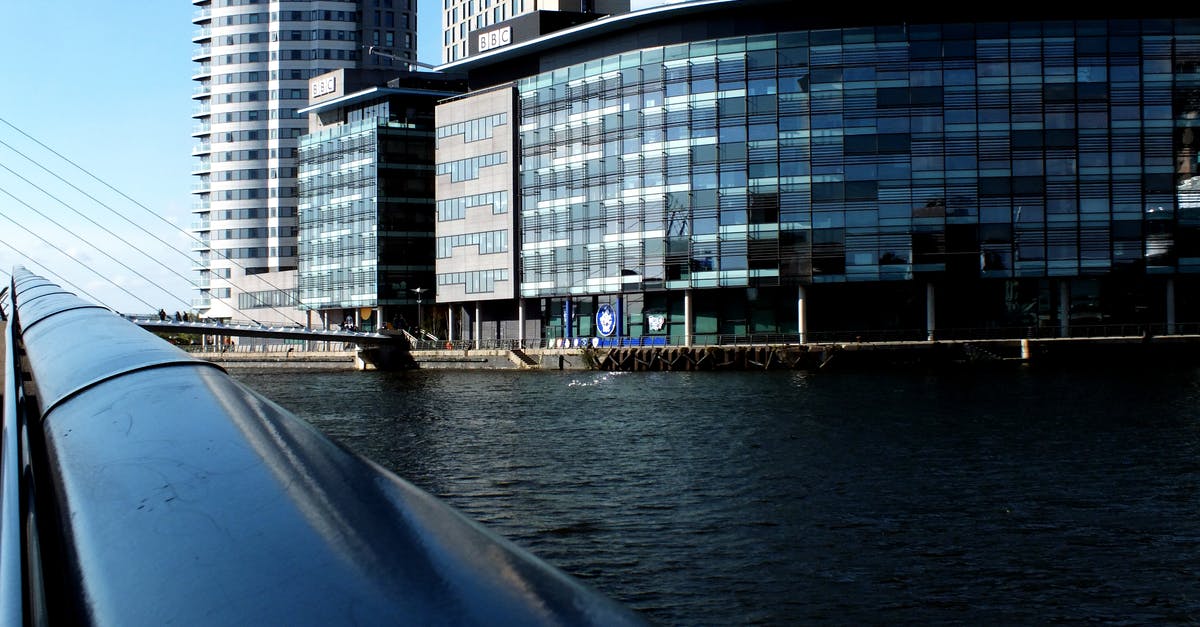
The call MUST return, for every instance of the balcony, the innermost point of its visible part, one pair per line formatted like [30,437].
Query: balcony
[203,90]
[203,166]
[201,188]
[202,14]
[204,72]
[201,128]
[201,109]
[203,33]
[201,303]
[202,225]
[203,51]
[203,148]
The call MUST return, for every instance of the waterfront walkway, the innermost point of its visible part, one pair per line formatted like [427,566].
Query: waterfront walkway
[1116,351]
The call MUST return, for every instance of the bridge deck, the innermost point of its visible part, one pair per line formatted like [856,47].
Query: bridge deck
[265,331]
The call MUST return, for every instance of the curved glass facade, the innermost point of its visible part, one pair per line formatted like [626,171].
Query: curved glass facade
[1000,156]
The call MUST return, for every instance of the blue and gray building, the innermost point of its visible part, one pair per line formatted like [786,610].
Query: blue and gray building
[736,167]
[366,196]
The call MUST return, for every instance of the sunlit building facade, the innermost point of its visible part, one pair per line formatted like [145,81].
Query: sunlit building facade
[465,21]
[732,168]
[255,58]
[366,197]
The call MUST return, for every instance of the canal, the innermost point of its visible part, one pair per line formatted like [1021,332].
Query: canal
[1001,495]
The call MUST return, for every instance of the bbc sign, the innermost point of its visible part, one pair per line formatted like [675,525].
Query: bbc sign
[322,86]
[495,39]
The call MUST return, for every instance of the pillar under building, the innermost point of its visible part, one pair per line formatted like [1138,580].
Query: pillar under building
[801,316]
[930,320]
[1064,308]
[1170,306]
[521,322]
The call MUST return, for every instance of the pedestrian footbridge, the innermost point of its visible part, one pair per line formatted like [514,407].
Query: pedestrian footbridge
[142,486]
[231,329]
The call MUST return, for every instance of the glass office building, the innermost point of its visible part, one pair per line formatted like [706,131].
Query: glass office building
[833,177]
[366,200]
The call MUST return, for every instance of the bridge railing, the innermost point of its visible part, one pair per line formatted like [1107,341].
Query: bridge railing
[167,492]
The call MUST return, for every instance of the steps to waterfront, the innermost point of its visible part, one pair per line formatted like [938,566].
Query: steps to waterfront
[522,359]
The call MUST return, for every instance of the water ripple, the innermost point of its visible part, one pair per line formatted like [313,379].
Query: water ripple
[699,498]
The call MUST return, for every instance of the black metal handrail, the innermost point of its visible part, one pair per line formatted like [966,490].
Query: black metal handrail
[175,494]
[823,337]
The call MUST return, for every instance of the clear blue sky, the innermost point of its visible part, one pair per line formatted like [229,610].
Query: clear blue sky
[108,85]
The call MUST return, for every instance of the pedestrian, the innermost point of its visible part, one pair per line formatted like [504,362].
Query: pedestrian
[177,318]
[162,315]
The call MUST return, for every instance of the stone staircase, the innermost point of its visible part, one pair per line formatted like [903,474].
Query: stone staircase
[520,358]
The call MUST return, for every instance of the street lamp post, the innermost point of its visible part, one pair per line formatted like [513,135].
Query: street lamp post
[419,291]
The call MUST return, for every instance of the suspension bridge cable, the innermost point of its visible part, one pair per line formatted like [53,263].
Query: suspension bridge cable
[97,224]
[141,228]
[59,277]
[291,297]
[50,244]
[106,230]
[80,238]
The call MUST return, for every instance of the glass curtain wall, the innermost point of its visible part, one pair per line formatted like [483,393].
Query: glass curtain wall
[951,152]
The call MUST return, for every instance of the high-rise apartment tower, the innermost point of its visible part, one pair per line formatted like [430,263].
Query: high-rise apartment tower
[254,60]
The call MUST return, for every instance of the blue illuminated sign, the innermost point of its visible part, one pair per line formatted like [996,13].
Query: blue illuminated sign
[606,320]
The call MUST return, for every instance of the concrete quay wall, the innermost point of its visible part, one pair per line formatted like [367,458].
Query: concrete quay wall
[1106,351]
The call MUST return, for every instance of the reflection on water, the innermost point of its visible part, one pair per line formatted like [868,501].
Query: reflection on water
[721,498]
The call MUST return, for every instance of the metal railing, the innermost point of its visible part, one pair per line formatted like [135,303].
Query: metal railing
[824,337]
[168,492]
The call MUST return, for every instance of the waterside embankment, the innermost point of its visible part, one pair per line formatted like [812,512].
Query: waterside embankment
[1119,351]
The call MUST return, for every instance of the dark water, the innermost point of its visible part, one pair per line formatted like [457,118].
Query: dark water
[698,498]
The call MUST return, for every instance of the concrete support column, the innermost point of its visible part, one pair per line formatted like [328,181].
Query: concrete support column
[478,326]
[801,316]
[380,323]
[521,321]
[930,320]
[308,325]
[619,327]
[687,318]
[1170,306]
[1064,308]
[567,318]
[450,323]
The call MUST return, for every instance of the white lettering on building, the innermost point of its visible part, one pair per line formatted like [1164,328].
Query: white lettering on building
[323,86]
[495,38]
